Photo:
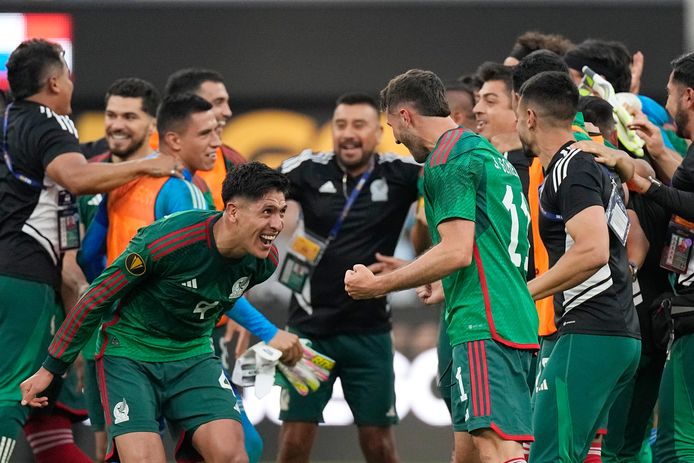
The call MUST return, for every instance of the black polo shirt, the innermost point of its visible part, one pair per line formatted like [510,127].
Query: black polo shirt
[373,225]
[28,215]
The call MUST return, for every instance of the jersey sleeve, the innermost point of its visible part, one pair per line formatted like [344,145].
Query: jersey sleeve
[294,168]
[92,255]
[128,271]
[452,188]
[178,195]
[581,188]
[54,136]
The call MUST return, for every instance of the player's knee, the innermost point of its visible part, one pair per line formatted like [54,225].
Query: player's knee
[226,454]
[377,444]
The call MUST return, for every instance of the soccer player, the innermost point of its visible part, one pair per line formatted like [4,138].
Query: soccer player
[173,282]
[478,219]
[494,114]
[42,171]
[598,347]
[209,84]
[356,334]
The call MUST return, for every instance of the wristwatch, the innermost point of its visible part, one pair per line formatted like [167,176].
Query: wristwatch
[655,181]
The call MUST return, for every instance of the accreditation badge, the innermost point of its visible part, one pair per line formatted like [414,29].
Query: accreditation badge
[303,255]
[678,246]
[68,221]
[617,218]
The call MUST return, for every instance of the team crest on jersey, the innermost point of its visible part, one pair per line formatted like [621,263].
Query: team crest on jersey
[239,287]
[135,264]
[120,412]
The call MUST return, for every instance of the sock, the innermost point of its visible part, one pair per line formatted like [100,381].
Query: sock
[51,439]
[594,453]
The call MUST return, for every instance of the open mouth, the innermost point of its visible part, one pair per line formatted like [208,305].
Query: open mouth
[267,239]
[480,126]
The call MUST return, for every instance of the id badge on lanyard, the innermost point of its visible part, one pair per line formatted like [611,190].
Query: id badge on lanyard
[617,218]
[303,255]
[678,246]
[68,221]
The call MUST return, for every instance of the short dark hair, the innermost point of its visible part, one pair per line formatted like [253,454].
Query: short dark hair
[357,98]
[554,92]
[132,87]
[189,80]
[535,63]
[683,69]
[422,89]
[252,181]
[532,41]
[29,65]
[490,71]
[175,109]
[471,80]
[608,58]
[597,111]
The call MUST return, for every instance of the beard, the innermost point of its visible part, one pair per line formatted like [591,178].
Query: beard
[128,150]
[681,118]
[418,151]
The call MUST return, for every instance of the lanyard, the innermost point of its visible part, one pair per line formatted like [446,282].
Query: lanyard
[6,154]
[350,202]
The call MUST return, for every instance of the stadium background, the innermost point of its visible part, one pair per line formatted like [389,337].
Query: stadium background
[286,61]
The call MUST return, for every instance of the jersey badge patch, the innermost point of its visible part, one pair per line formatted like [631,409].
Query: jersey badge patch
[379,190]
[135,264]
[239,287]
[327,187]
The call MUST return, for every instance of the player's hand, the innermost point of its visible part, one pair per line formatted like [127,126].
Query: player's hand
[242,340]
[603,154]
[431,293]
[34,385]
[649,133]
[361,283]
[162,165]
[636,71]
[289,344]
[385,264]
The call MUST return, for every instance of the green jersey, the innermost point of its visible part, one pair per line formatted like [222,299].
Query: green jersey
[466,178]
[171,286]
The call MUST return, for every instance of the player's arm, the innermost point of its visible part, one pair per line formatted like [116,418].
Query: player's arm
[590,251]
[72,171]
[637,243]
[452,253]
[679,202]
[92,255]
[79,325]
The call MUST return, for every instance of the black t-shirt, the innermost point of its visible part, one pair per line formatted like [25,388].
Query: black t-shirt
[372,225]
[603,303]
[522,162]
[28,215]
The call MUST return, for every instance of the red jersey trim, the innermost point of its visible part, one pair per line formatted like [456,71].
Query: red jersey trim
[513,437]
[441,154]
[106,289]
[488,307]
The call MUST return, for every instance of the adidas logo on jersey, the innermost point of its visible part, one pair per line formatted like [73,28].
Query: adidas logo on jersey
[391,412]
[191,283]
[542,386]
[327,187]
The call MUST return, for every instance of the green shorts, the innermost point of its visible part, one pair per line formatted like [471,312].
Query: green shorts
[92,397]
[188,393]
[25,317]
[675,442]
[575,390]
[491,389]
[364,364]
[444,351]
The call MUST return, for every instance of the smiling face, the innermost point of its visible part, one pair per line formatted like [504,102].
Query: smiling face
[128,126]
[198,141]
[356,132]
[258,222]
[493,111]
[216,93]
